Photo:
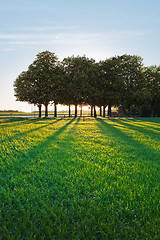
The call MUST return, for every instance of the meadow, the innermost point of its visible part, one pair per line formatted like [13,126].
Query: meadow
[80,178]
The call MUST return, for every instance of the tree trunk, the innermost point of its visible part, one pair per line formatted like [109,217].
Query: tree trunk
[55,110]
[91,111]
[46,110]
[95,114]
[129,110]
[152,110]
[69,110]
[104,111]
[40,110]
[75,111]
[81,111]
[109,111]
[100,111]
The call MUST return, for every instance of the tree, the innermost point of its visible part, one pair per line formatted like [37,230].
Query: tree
[92,82]
[25,91]
[77,73]
[65,89]
[43,73]
[57,86]
[152,88]
[130,69]
[109,84]
[38,83]
[22,88]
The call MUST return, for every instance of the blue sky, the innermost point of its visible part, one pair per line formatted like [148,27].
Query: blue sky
[99,29]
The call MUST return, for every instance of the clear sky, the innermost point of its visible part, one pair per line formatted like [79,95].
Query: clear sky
[99,29]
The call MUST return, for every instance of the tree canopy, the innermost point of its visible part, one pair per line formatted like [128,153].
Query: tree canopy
[37,84]
[120,80]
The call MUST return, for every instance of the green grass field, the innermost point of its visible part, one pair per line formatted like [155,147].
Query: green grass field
[79,179]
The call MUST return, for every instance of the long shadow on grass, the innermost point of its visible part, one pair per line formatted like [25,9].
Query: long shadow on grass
[139,125]
[148,132]
[107,128]
[140,131]
[15,121]
[138,128]
[19,120]
[24,159]
[152,120]
[20,134]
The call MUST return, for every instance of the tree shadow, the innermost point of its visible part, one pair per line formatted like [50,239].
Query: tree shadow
[127,140]
[20,134]
[4,122]
[153,120]
[22,120]
[148,137]
[148,131]
[14,121]
[145,124]
[23,159]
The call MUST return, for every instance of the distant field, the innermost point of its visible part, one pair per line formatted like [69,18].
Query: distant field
[80,178]
[6,113]
[17,113]
[9,113]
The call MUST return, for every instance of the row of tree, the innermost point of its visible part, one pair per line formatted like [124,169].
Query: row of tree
[120,80]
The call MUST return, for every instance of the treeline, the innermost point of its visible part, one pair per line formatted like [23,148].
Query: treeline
[7,111]
[120,80]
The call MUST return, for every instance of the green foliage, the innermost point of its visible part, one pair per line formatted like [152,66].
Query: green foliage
[80,178]
[38,84]
[111,85]
[152,88]
[23,88]
[130,72]
[78,71]
[120,80]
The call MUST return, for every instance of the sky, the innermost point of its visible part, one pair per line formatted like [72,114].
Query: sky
[99,29]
